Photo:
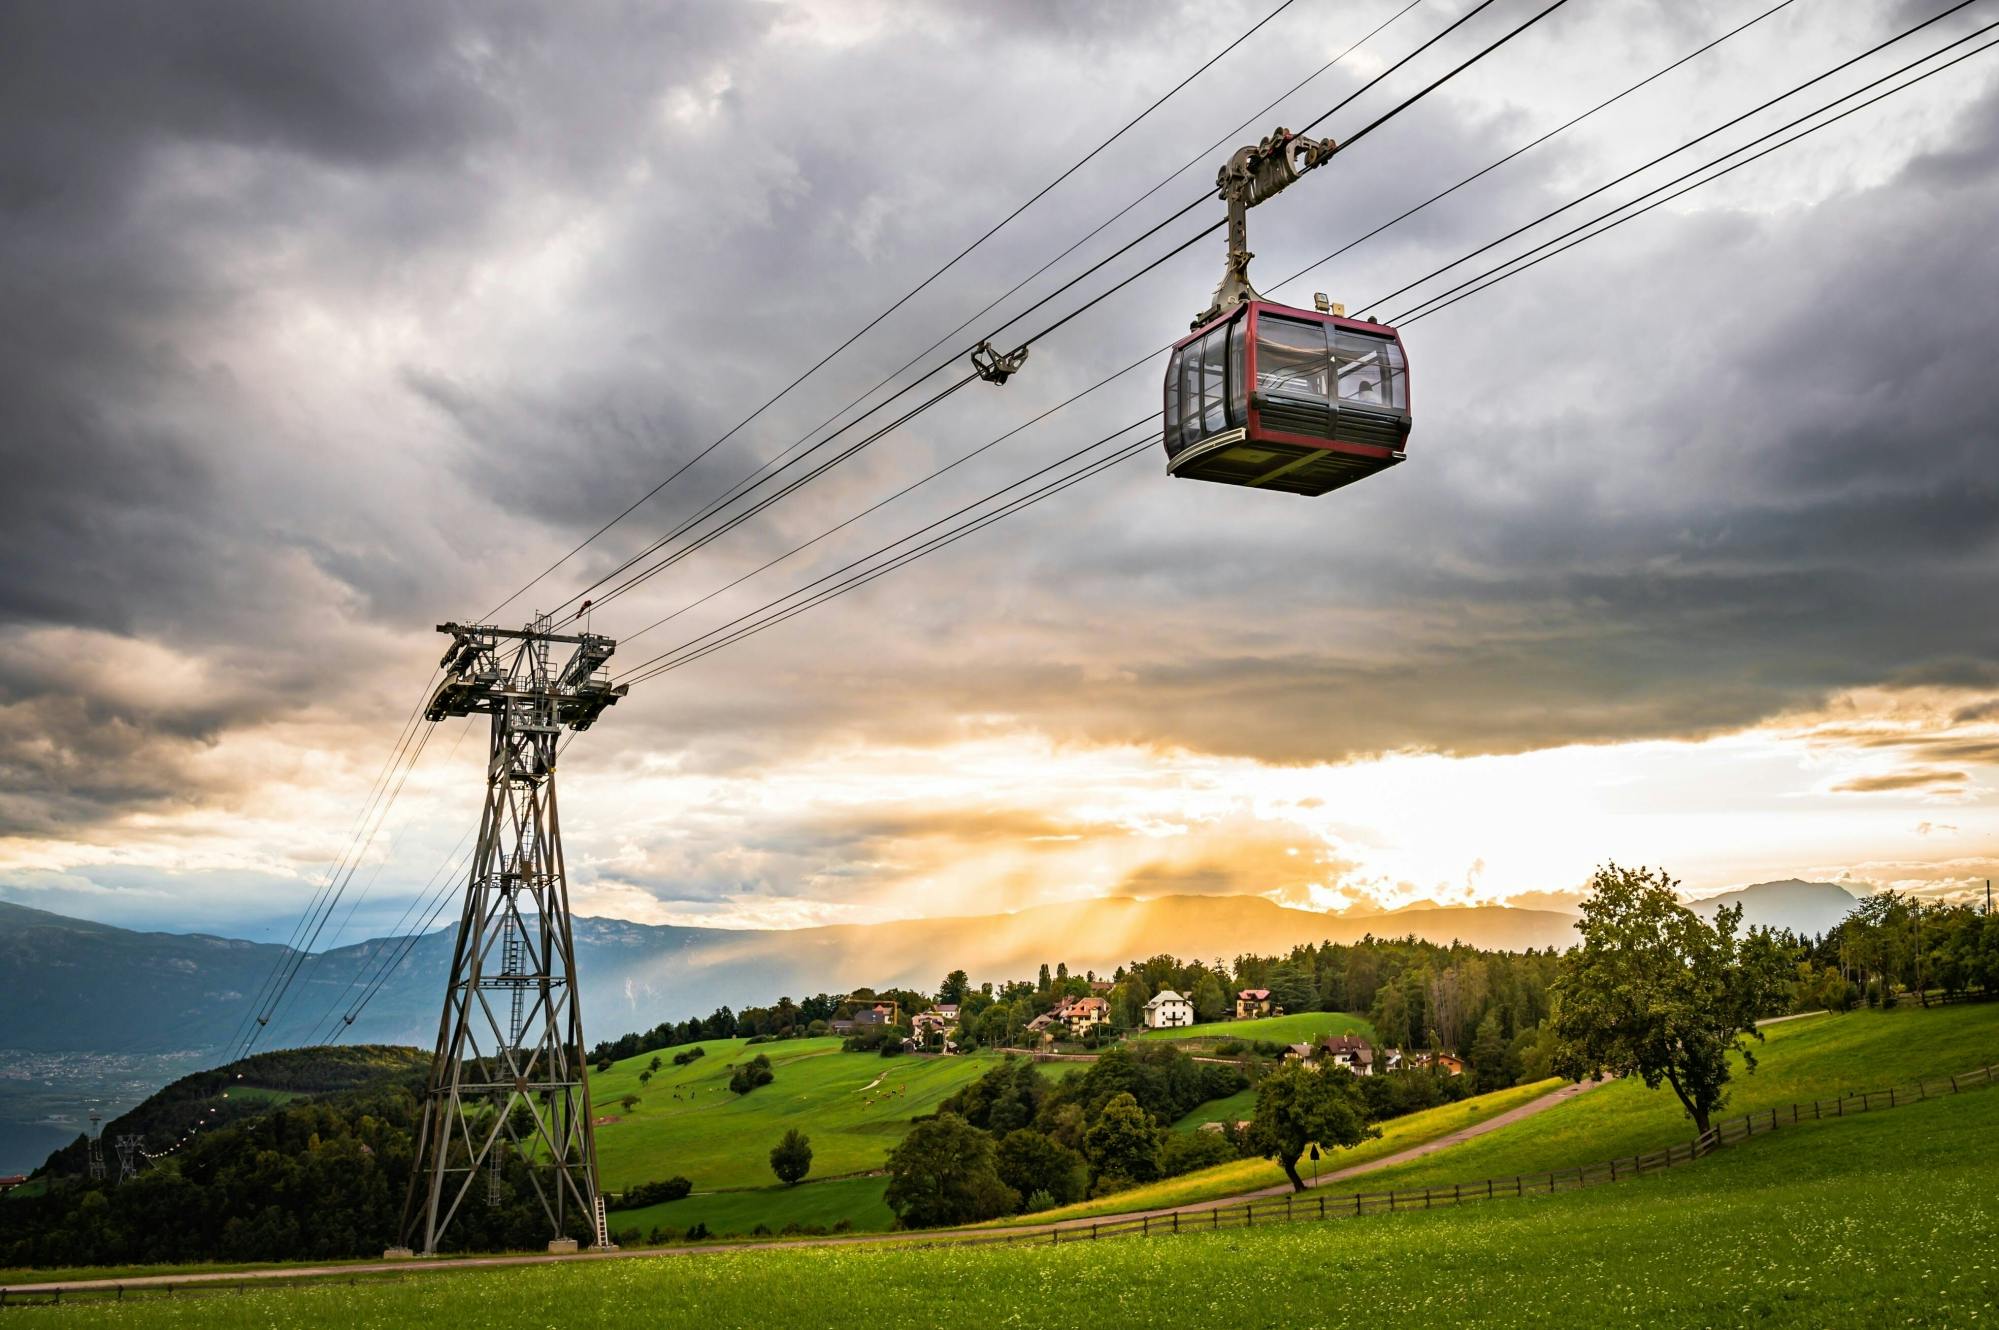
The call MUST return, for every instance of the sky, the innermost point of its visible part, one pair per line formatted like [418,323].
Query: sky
[332,323]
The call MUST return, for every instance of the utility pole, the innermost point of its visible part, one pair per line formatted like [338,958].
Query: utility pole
[96,1161]
[128,1155]
[509,1076]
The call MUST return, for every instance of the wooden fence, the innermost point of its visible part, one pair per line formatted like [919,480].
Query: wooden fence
[1296,1207]
[1314,1205]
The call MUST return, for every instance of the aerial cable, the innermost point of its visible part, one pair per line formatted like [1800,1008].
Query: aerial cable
[953,464]
[691,652]
[1501,161]
[382,779]
[1065,319]
[302,956]
[1484,285]
[1536,142]
[1077,244]
[1819,78]
[645,669]
[904,299]
[415,922]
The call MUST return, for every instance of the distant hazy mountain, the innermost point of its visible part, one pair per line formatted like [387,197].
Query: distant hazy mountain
[1806,908]
[74,986]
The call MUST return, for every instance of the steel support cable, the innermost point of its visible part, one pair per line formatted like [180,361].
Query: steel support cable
[904,299]
[689,658]
[665,660]
[735,520]
[312,904]
[1078,243]
[1126,248]
[1611,184]
[415,922]
[415,935]
[854,583]
[1418,308]
[954,463]
[301,957]
[1488,285]
[1352,244]
[403,918]
[1536,142]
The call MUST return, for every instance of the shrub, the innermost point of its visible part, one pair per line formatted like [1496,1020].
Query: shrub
[1229,1048]
[760,1231]
[844,1226]
[892,1047]
[1186,1151]
[751,1074]
[698,1233]
[628,1102]
[652,1193]
[687,1055]
[1037,1202]
[942,1173]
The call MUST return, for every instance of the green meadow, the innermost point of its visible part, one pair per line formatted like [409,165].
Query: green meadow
[854,1106]
[1818,1057]
[1875,1220]
[1293,1029]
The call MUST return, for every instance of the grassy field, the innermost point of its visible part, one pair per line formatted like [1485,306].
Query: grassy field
[1293,1029]
[1243,1175]
[854,1106]
[1818,1057]
[858,1201]
[1882,1219]
[1238,1107]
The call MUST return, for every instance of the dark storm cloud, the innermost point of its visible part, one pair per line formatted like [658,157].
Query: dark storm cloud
[1696,474]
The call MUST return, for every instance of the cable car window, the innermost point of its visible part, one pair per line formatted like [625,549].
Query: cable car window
[1214,357]
[1291,357]
[1173,404]
[1369,371]
[1238,386]
[1190,394]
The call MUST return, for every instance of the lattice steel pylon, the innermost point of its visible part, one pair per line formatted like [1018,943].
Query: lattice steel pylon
[129,1145]
[511,1034]
[94,1161]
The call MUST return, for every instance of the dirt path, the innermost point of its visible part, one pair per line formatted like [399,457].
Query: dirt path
[973,1235]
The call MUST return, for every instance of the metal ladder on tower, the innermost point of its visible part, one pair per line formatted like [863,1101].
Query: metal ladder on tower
[603,1233]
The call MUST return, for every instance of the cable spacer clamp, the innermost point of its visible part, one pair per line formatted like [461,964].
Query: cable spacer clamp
[994,367]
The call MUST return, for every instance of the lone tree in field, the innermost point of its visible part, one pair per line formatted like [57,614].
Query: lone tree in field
[1657,992]
[943,1173]
[791,1158]
[1296,1106]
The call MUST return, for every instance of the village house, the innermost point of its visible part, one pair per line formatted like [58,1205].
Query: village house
[1168,1011]
[1252,1002]
[1082,1015]
[876,1017]
[1101,987]
[1042,1027]
[1348,1050]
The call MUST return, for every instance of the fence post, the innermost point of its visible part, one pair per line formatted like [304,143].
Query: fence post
[1093,1232]
[1613,1170]
[1953,1085]
[1217,1214]
[1518,1185]
[1176,1221]
[1322,1207]
[1891,1096]
[1922,1091]
[1054,1237]
[1356,1202]
[1145,1226]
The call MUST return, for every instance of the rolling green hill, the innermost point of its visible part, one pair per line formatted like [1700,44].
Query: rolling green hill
[1293,1029]
[854,1106]
[1817,1057]
[1880,1219]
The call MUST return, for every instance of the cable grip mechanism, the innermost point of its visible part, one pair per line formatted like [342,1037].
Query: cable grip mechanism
[997,367]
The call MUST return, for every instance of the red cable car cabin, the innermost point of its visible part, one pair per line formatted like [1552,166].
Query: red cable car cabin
[1286,399]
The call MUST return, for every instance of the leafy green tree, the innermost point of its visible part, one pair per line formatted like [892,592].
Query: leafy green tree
[943,1172]
[791,1158]
[1211,1000]
[1292,989]
[1657,992]
[1391,1016]
[1041,983]
[1492,1058]
[1297,1107]
[1186,1151]
[956,987]
[1031,1163]
[1123,1143]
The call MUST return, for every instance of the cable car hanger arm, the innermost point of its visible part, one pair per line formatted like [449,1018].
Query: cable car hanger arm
[1254,173]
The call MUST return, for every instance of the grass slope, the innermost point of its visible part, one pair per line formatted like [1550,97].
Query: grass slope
[1818,1057]
[854,1106]
[1293,1029]
[858,1201]
[1243,1175]
[1883,1219]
